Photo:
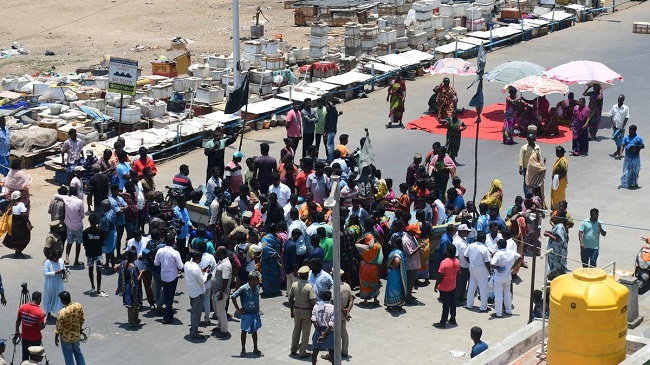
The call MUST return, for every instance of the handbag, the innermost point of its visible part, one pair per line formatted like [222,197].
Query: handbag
[6,223]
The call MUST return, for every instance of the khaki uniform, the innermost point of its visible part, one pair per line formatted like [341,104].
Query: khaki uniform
[303,294]
[346,293]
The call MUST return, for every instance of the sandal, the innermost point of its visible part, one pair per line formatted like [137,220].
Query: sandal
[258,353]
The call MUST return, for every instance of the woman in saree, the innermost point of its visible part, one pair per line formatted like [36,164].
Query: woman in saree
[425,252]
[560,168]
[494,195]
[557,240]
[596,108]
[447,99]
[455,127]
[535,175]
[442,168]
[19,233]
[579,130]
[396,97]
[396,277]
[516,224]
[18,180]
[371,259]
[270,265]
[129,287]
[510,119]
[54,271]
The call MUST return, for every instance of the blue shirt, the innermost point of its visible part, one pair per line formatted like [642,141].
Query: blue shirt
[107,221]
[317,253]
[5,141]
[250,298]
[629,142]
[445,241]
[122,169]
[478,348]
[117,203]
[482,224]
[458,203]
[499,221]
[185,216]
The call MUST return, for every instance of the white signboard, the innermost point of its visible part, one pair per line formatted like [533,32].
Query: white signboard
[122,76]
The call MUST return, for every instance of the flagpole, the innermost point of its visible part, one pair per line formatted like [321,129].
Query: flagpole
[243,126]
[235,43]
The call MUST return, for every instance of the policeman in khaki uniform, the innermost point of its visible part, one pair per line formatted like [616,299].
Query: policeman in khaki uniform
[302,299]
[36,354]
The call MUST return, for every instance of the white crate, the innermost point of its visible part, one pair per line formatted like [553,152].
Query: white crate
[352,29]
[151,108]
[402,42]
[458,22]
[95,103]
[130,115]
[383,23]
[400,29]
[216,74]
[459,30]
[460,10]
[100,81]
[162,91]
[436,21]
[426,15]
[447,22]
[423,6]
[254,59]
[369,43]
[387,37]
[413,30]
[258,89]
[431,33]
[318,52]
[252,47]
[320,29]
[191,82]
[447,10]
[474,13]
[201,71]
[425,24]
[440,33]
[213,61]
[274,63]
[369,32]
[209,95]
[476,25]
[270,46]
[300,54]
[418,39]
[352,42]
[317,41]
[260,77]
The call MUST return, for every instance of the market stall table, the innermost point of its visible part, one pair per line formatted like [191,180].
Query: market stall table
[262,108]
[398,60]
[449,49]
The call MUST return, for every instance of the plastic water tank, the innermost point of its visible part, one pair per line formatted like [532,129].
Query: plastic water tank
[588,319]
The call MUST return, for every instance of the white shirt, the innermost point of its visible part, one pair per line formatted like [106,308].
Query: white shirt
[505,259]
[207,260]
[442,213]
[301,243]
[478,255]
[491,244]
[619,114]
[511,245]
[214,211]
[223,273]
[321,282]
[461,247]
[170,262]
[287,209]
[139,246]
[344,166]
[283,192]
[140,195]
[76,182]
[194,279]
[18,208]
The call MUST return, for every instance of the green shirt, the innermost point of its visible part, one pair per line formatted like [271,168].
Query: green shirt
[327,244]
[591,233]
[320,125]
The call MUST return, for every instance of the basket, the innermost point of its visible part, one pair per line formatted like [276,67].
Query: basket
[164,69]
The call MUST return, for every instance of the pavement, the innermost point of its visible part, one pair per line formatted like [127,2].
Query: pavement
[376,334]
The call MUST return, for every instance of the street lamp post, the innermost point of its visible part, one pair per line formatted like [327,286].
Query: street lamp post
[235,43]
[332,202]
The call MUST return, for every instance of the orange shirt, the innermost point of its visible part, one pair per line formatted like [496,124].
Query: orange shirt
[404,203]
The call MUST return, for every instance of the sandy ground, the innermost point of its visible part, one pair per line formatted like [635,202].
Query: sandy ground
[80,33]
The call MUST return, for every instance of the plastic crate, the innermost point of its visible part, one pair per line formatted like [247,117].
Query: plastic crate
[164,69]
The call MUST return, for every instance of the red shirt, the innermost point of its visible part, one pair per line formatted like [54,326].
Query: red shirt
[449,268]
[301,182]
[31,315]
[138,166]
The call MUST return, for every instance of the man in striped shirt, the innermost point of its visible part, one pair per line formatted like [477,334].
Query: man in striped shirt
[33,319]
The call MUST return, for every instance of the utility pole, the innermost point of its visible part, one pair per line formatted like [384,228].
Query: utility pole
[235,43]
[332,202]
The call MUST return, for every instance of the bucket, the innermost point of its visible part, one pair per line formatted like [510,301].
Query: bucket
[259,125]
[266,124]
[55,109]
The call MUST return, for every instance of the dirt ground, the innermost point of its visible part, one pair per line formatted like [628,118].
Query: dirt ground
[80,33]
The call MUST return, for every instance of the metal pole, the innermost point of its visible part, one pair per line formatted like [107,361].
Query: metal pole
[532,287]
[332,202]
[544,300]
[372,73]
[119,125]
[235,42]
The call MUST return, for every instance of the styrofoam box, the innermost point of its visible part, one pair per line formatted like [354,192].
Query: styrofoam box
[274,63]
[425,24]
[459,30]
[300,53]
[387,37]
[436,21]
[369,32]
[460,10]
[478,24]
[423,15]
[209,95]
[458,22]
[474,13]
[260,77]
[101,82]
[318,52]
[96,103]
[216,74]
[352,29]
[423,6]
[440,33]
[369,43]
[382,22]
[212,61]
[191,82]
[162,91]
[447,10]
[255,59]
[447,22]
[418,39]
[395,19]
[201,72]
[156,109]
[130,115]
[320,30]
[318,41]
[252,47]
[352,42]
[265,89]
[431,33]
[402,42]
[270,46]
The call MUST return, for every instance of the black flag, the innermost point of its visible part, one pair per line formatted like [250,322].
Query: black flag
[477,100]
[239,97]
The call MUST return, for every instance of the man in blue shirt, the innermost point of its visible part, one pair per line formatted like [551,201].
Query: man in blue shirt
[249,310]
[495,218]
[479,346]
[180,211]
[455,202]
[123,169]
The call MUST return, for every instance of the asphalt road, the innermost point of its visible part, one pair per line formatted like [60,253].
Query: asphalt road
[376,334]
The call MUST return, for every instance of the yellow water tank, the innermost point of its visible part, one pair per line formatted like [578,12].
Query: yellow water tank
[588,319]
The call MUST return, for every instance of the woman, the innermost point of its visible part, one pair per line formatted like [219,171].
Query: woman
[371,259]
[564,109]
[447,99]
[287,150]
[596,108]
[579,126]
[425,234]
[560,168]
[442,168]
[557,240]
[396,277]
[129,287]
[455,127]
[396,96]
[510,119]
[494,195]
[19,235]
[517,226]
[270,265]
[18,180]
[288,173]
[536,173]
[54,271]
[632,144]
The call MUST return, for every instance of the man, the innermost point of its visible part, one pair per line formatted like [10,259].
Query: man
[33,321]
[412,170]
[502,263]
[69,323]
[78,172]
[36,355]
[290,262]
[318,183]
[455,202]
[53,239]
[412,253]
[620,113]
[357,210]
[306,168]
[301,242]
[250,321]
[170,263]
[316,251]
[74,215]
[343,141]
[478,256]
[74,148]
[131,213]
[222,278]
[123,169]
[93,240]
[294,125]
[633,144]
[589,235]
[459,241]
[183,183]
[337,159]
[215,150]
[347,303]
[233,178]
[309,120]
[479,346]
[327,245]
[446,283]
[273,211]
[100,186]
[319,127]
[291,204]
[264,166]
[139,244]
[493,237]
[493,217]
[302,298]
[195,279]
[108,228]
[5,146]
[318,278]
[144,161]
[180,212]
[282,191]
[230,219]
[525,152]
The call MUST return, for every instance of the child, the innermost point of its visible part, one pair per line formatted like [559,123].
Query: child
[404,202]
[249,310]
[93,241]
[479,346]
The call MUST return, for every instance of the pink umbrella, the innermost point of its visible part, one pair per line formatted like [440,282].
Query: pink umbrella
[538,85]
[583,72]
[452,66]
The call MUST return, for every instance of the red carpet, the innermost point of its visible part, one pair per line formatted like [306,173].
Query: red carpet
[491,125]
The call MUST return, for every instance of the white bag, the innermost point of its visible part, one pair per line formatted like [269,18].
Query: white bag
[556,181]
[410,18]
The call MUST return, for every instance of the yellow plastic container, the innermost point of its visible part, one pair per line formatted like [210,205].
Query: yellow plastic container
[588,319]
